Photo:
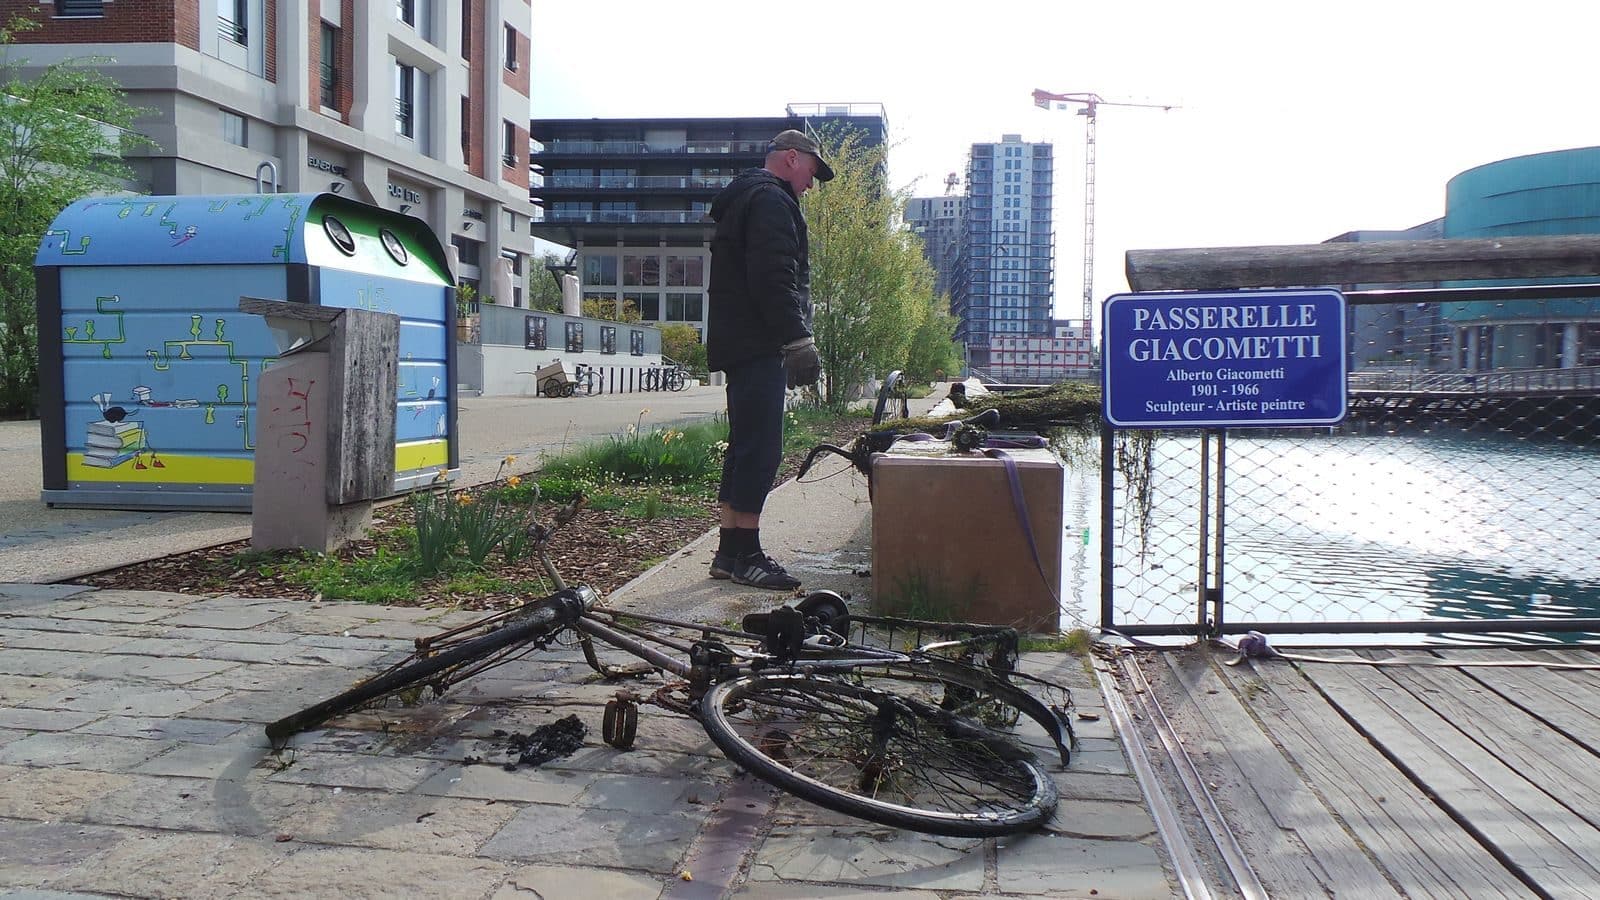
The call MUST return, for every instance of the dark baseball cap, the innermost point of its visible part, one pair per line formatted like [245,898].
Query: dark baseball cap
[797,140]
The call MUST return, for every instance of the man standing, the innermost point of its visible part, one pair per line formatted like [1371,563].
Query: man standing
[759,334]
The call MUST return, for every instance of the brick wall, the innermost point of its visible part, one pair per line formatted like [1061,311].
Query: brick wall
[270,15]
[518,174]
[518,80]
[124,22]
[476,70]
[344,51]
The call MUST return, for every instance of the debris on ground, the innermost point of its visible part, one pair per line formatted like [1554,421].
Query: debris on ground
[560,738]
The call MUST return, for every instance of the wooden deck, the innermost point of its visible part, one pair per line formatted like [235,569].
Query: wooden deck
[1394,773]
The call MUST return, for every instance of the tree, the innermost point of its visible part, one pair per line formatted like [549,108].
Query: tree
[544,292]
[871,288]
[933,349]
[63,132]
[681,343]
[601,308]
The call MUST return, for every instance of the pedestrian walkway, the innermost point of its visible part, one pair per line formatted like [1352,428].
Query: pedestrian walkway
[132,761]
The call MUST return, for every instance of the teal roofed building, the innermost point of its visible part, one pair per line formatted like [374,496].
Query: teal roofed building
[1552,193]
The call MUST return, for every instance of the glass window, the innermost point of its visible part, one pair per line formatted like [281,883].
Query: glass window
[599,270]
[405,92]
[685,271]
[466,29]
[685,307]
[468,250]
[511,48]
[515,259]
[79,8]
[508,143]
[648,305]
[641,271]
[330,65]
[235,130]
[233,20]
[407,10]
[466,128]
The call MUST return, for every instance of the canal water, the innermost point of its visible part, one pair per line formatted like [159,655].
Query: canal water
[1346,528]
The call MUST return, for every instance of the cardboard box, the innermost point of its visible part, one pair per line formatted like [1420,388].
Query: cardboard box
[948,540]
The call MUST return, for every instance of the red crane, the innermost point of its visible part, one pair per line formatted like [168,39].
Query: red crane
[1090,102]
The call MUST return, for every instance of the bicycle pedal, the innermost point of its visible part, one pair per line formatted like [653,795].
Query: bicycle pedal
[620,724]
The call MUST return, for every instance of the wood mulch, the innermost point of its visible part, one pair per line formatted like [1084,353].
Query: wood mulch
[602,548]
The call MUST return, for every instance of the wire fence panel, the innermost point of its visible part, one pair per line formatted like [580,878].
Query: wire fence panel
[1464,484]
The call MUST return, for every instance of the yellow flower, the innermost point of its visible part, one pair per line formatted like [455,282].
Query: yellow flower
[464,499]
[511,460]
[444,474]
[514,480]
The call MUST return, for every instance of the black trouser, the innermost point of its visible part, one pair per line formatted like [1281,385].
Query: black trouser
[755,433]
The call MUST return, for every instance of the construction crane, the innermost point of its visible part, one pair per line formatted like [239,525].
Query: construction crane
[1091,102]
[950,182]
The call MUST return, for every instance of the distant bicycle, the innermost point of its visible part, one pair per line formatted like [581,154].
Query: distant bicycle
[587,380]
[674,379]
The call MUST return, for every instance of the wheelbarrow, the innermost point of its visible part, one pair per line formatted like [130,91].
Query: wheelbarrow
[558,379]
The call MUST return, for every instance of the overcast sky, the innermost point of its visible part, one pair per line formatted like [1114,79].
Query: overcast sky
[1297,121]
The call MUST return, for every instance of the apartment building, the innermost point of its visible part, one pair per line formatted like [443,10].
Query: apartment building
[631,197]
[1005,271]
[938,221]
[419,106]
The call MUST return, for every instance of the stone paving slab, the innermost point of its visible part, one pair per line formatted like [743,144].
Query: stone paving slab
[32,853]
[364,874]
[600,837]
[153,864]
[185,731]
[882,857]
[578,881]
[80,751]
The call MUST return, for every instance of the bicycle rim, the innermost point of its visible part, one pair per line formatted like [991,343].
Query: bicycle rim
[878,756]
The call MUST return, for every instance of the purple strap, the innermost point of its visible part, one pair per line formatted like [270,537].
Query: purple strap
[1020,504]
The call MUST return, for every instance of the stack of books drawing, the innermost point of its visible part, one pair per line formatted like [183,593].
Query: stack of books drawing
[110,444]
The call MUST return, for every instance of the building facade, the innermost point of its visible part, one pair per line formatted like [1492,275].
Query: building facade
[938,221]
[1005,271]
[1065,354]
[416,105]
[632,197]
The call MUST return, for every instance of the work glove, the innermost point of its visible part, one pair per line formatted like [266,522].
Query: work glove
[801,365]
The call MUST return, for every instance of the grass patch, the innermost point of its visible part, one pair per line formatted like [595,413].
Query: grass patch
[1077,642]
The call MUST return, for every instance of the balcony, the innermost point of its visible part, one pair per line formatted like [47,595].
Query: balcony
[637,182]
[640,148]
[626,217]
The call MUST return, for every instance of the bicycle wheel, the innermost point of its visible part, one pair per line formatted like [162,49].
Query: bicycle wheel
[545,618]
[883,757]
[551,387]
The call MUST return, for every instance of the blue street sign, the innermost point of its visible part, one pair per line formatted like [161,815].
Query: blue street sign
[1216,360]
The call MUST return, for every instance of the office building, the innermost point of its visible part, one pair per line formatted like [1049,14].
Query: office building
[415,105]
[631,197]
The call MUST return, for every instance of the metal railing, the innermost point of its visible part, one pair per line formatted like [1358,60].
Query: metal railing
[404,122]
[229,30]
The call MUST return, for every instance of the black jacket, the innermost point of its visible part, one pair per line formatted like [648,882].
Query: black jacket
[760,290]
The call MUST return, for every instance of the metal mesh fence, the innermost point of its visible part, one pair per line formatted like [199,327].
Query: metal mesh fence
[1464,484]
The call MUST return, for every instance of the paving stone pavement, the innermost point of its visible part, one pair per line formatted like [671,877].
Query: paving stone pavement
[133,762]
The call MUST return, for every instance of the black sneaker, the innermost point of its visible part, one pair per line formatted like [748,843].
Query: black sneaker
[722,566]
[762,571]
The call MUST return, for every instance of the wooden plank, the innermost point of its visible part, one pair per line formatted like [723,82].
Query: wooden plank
[1540,693]
[1423,851]
[1296,846]
[1376,262]
[364,376]
[1565,772]
[1514,818]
